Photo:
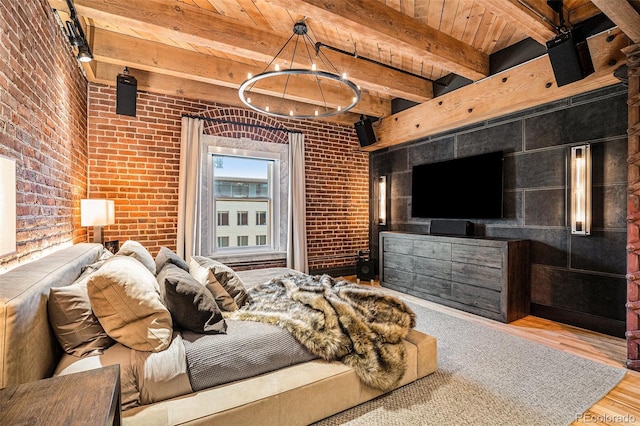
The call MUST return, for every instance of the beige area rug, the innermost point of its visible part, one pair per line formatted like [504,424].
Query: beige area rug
[487,377]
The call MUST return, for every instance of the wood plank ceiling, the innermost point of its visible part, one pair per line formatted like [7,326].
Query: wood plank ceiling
[204,49]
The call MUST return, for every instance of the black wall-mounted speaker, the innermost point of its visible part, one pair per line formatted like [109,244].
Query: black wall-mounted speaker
[364,129]
[451,227]
[570,57]
[365,270]
[126,94]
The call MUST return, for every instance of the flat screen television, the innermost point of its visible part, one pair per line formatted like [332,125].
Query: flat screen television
[464,188]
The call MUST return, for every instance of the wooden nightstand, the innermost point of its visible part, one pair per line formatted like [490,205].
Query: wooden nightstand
[88,398]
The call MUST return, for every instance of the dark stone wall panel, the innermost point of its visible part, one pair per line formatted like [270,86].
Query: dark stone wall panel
[540,169]
[600,251]
[609,159]
[505,137]
[548,246]
[593,294]
[609,207]
[545,207]
[431,152]
[512,208]
[388,162]
[600,119]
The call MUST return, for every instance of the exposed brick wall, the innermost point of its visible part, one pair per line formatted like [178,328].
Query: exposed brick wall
[43,102]
[135,161]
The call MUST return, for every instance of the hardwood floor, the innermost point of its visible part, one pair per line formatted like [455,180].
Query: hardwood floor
[619,407]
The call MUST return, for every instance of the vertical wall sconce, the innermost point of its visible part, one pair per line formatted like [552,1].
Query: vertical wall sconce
[382,200]
[97,213]
[7,206]
[581,190]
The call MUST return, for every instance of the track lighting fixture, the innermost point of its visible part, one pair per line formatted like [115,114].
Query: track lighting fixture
[76,36]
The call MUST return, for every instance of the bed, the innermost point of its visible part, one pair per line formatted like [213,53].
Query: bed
[29,350]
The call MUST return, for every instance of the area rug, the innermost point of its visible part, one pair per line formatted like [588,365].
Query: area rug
[487,377]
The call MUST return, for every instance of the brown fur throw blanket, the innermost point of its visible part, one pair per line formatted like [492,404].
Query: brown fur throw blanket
[337,320]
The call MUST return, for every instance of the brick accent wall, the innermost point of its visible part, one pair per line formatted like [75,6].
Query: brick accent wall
[43,107]
[135,161]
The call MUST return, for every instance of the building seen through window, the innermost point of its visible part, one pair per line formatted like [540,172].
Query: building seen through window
[243,201]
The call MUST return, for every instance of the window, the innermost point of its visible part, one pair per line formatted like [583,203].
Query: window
[243,197]
[261,218]
[243,218]
[223,218]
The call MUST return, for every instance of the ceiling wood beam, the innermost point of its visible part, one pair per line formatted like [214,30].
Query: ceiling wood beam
[623,15]
[398,30]
[124,50]
[539,29]
[174,86]
[190,24]
[525,86]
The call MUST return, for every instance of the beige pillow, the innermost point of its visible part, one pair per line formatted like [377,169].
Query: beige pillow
[124,298]
[138,252]
[76,327]
[214,275]
[222,296]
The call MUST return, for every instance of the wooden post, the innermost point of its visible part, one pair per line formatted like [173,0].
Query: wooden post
[633,218]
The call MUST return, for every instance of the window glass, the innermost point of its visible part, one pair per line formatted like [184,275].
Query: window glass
[242,191]
[261,218]
[223,241]
[223,218]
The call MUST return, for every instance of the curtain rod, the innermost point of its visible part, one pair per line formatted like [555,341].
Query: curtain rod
[260,126]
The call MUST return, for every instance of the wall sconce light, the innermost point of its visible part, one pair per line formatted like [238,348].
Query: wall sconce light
[7,206]
[382,200]
[97,213]
[581,190]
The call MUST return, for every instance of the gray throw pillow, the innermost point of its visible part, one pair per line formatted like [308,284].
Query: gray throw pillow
[191,305]
[166,255]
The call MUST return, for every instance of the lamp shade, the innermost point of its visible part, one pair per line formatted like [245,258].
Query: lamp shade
[7,206]
[97,212]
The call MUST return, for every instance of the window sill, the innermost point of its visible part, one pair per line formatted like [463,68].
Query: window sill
[249,258]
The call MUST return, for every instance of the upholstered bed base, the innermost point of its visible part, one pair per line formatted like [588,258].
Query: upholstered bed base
[299,394]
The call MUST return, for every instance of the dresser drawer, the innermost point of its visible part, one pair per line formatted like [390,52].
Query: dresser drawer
[477,275]
[432,250]
[487,256]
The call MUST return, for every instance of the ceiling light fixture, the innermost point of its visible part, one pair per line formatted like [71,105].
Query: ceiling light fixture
[76,36]
[336,93]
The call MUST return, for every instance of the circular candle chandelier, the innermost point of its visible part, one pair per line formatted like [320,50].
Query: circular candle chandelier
[336,93]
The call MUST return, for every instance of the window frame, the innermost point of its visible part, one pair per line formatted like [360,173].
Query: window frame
[279,188]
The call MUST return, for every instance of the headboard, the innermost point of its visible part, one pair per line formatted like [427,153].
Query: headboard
[28,349]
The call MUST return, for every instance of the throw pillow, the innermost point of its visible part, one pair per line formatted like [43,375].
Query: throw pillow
[75,326]
[201,266]
[190,303]
[166,255]
[138,252]
[124,298]
[222,297]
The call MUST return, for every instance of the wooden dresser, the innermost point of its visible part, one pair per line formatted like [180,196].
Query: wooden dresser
[484,276]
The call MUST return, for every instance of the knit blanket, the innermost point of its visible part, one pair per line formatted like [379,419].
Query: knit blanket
[337,320]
